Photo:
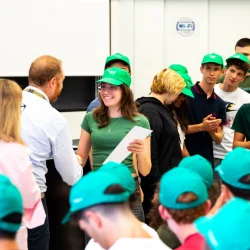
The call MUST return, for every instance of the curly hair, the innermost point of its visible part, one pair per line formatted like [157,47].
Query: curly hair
[239,65]
[127,106]
[167,81]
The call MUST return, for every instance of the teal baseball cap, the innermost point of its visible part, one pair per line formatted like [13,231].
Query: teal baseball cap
[10,202]
[229,228]
[122,173]
[201,166]
[212,58]
[234,167]
[90,191]
[178,181]
[183,72]
[238,56]
[116,76]
[117,56]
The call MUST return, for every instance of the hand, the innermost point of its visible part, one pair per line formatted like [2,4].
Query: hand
[137,147]
[210,123]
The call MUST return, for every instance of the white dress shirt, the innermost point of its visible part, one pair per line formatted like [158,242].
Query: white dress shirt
[47,135]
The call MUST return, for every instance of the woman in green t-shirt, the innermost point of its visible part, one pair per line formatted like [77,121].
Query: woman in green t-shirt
[107,125]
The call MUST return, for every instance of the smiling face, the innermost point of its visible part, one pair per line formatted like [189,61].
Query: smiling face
[111,94]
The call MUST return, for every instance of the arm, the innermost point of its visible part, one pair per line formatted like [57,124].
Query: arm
[64,157]
[185,152]
[239,141]
[84,147]
[217,135]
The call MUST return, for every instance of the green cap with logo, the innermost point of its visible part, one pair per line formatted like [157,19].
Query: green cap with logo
[201,166]
[237,56]
[122,173]
[178,181]
[234,167]
[229,228]
[10,202]
[183,72]
[90,191]
[116,76]
[117,56]
[212,58]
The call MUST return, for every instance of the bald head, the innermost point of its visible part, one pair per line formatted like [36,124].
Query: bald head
[43,69]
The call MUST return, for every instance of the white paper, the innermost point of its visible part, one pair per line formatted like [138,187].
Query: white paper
[121,151]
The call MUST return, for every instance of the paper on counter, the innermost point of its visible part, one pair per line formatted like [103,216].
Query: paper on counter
[121,151]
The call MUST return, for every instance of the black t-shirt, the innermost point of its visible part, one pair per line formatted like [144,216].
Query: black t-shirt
[198,108]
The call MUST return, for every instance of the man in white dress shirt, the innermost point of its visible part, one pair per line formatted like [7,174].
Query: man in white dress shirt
[47,135]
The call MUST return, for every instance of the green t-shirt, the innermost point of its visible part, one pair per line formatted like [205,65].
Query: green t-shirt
[104,140]
[242,121]
[245,85]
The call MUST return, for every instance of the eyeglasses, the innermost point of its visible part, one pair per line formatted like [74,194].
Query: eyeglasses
[103,87]
[23,106]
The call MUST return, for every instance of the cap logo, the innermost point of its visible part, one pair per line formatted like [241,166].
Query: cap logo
[77,200]
[237,56]
[119,56]
[112,72]
[212,56]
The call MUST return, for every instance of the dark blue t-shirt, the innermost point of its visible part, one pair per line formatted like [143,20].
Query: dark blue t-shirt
[198,108]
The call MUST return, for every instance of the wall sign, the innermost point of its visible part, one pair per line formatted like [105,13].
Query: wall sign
[185,26]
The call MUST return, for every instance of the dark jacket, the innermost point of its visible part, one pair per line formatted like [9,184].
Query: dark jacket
[165,142]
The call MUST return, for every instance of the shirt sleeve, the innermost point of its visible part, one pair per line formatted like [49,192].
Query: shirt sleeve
[238,124]
[65,158]
[85,123]
[144,122]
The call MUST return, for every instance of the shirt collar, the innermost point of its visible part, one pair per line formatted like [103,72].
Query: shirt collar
[201,92]
[39,91]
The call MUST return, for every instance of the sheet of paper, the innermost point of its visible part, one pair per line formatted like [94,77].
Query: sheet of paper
[121,152]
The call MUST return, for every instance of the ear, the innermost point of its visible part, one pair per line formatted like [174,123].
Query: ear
[208,206]
[201,69]
[94,219]
[52,82]
[227,193]
[164,213]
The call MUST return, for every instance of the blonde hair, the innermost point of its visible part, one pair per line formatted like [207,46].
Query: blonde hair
[167,81]
[10,109]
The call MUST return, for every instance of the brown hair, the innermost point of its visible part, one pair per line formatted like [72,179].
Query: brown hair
[239,65]
[128,108]
[188,215]
[10,108]
[43,69]
[167,81]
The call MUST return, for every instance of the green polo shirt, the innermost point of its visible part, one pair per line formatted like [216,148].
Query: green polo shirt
[242,121]
[104,140]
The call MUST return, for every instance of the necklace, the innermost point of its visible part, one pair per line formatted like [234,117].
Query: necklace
[113,125]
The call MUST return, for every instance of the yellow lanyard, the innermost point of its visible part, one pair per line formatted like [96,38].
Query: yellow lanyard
[35,93]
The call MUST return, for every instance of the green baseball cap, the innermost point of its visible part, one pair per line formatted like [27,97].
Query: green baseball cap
[201,166]
[116,76]
[117,56]
[183,72]
[213,58]
[178,181]
[122,173]
[238,56]
[229,228]
[10,202]
[90,191]
[234,166]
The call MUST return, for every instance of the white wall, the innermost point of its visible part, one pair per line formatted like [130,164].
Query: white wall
[76,31]
[145,30]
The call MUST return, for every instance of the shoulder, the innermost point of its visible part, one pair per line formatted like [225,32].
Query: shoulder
[10,149]
[219,101]
[141,119]
[243,94]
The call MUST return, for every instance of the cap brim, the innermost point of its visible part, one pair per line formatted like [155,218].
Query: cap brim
[222,64]
[111,81]
[188,92]
[66,218]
